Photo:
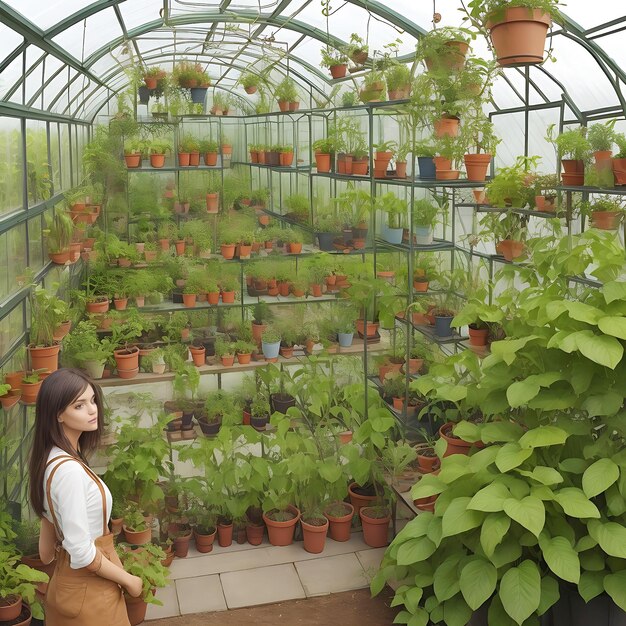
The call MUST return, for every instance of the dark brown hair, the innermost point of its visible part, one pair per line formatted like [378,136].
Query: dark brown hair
[57,392]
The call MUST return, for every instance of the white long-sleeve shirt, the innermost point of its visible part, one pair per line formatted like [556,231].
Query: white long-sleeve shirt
[77,505]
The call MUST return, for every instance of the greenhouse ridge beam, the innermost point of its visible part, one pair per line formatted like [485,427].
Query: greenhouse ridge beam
[81,15]
[37,37]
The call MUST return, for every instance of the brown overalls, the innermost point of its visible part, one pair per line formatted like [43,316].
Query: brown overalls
[78,597]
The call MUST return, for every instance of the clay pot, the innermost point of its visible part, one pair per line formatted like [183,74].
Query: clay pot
[198,355]
[339,70]
[605,220]
[340,526]
[30,392]
[254,533]
[225,535]
[511,249]
[519,35]
[447,127]
[427,464]
[478,336]
[228,250]
[136,609]
[204,543]
[137,538]
[157,160]
[573,172]
[455,445]
[314,535]
[476,166]
[375,529]
[357,500]
[212,202]
[370,329]
[12,610]
[46,357]
[281,533]
[322,162]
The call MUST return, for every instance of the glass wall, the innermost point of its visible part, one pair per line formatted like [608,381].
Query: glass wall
[11,167]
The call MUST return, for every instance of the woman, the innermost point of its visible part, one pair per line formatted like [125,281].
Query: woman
[75,506]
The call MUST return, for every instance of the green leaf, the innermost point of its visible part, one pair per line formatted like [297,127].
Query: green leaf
[574,466]
[615,326]
[544,475]
[543,436]
[507,552]
[501,431]
[412,598]
[611,537]
[592,561]
[575,503]
[614,290]
[402,617]
[522,392]
[434,530]
[603,350]
[478,582]
[549,594]
[603,404]
[456,612]
[507,348]
[330,472]
[520,591]
[530,512]
[490,498]
[599,477]
[561,558]
[415,550]
[510,456]
[419,618]
[591,584]
[428,486]
[446,579]
[493,530]
[458,519]
[615,586]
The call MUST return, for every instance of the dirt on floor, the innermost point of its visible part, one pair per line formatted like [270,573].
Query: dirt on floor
[350,608]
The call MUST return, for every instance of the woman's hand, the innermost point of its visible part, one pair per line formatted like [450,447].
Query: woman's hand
[134,586]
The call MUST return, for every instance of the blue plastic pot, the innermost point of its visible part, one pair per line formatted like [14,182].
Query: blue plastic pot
[345,339]
[423,235]
[198,94]
[326,241]
[427,167]
[270,350]
[442,326]
[393,235]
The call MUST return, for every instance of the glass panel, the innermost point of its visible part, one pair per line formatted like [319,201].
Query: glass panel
[65,157]
[38,172]
[9,41]
[11,168]
[13,261]
[589,15]
[139,12]
[96,31]
[55,158]
[35,243]
[510,128]
[34,81]
[58,84]
[46,14]
[10,329]
[12,75]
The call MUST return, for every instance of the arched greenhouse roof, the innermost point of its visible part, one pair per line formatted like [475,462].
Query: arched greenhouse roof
[68,59]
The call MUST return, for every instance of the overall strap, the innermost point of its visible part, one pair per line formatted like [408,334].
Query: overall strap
[91,474]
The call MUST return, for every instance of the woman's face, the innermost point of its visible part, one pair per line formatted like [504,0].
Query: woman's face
[80,416]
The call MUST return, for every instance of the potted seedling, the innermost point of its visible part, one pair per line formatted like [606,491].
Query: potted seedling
[335,60]
[395,209]
[270,343]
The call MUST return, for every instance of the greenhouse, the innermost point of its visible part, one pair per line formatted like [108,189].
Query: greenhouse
[323,304]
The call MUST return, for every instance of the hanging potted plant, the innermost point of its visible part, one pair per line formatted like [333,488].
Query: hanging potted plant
[398,78]
[335,60]
[443,50]
[152,75]
[287,94]
[374,87]
[250,82]
[517,29]
[357,49]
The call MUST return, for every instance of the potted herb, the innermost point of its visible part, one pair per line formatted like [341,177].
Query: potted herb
[573,150]
[424,212]
[357,49]
[335,60]
[606,212]
[395,209]
[287,94]
[443,50]
[270,343]
[478,135]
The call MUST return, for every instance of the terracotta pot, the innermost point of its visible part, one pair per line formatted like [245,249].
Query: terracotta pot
[45,357]
[573,172]
[225,535]
[228,250]
[415,365]
[120,304]
[519,35]
[244,251]
[401,169]
[322,162]
[228,360]
[447,174]
[359,166]
[478,336]
[369,330]
[455,445]
[476,166]
[447,127]
[250,90]
[357,500]
[286,353]
[375,530]
[194,159]
[340,527]
[12,610]
[294,106]
[286,159]
[189,300]
[359,58]
[198,355]
[605,220]
[59,258]
[10,399]
[511,249]
[157,160]
[212,202]
[127,360]
[316,290]
[204,543]
[421,285]
[281,533]
[181,545]
[132,160]
[136,609]
[452,60]
[254,533]
[442,163]
[137,538]
[425,504]
[427,463]
[283,105]
[314,536]
[339,70]
[244,359]
[183,159]
[213,297]
[30,392]
[295,248]
[542,204]
[228,297]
